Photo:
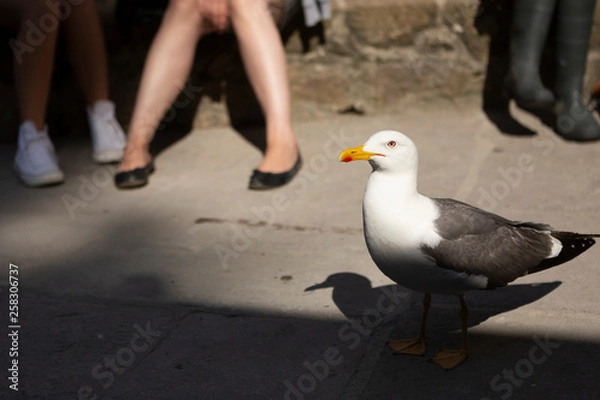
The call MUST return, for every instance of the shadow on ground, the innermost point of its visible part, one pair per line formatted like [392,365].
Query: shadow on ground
[88,346]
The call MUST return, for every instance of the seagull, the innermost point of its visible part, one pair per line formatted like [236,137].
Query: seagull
[444,246]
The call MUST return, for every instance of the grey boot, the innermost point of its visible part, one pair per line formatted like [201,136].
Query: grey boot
[574,24]
[530,24]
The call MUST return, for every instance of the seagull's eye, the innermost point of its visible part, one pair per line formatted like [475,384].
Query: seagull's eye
[391,144]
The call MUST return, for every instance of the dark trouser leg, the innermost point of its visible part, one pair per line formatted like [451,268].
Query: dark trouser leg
[574,24]
[530,24]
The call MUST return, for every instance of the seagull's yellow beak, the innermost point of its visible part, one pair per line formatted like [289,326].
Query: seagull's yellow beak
[356,153]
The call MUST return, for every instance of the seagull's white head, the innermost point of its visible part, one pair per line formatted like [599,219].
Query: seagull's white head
[386,151]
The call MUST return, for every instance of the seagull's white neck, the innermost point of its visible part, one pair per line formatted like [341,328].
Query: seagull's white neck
[394,212]
[398,187]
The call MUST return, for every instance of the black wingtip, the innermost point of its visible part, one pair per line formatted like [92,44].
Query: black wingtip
[573,245]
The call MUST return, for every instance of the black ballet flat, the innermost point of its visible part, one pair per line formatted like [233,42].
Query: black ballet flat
[135,178]
[267,180]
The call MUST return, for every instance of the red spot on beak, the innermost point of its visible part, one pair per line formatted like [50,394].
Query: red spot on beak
[347,159]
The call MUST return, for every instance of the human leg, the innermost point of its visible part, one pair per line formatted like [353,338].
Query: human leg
[86,50]
[166,69]
[87,53]
[34,51]
[264,59]
[530,24]
[574,24]
[35,163]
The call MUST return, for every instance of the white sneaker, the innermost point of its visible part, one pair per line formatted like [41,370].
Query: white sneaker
[108,138]
[36,162]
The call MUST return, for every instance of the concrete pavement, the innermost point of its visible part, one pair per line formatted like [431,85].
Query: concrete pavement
[194,287]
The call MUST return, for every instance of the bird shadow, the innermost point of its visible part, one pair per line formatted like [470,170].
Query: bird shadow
[354,296]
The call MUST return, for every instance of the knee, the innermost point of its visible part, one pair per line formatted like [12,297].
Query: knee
[184,7]
[186,12]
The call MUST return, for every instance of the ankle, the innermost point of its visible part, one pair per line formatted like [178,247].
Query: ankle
[135,149]
[281,148]
[281,138]
[101,108]
[32,125]
[569,98]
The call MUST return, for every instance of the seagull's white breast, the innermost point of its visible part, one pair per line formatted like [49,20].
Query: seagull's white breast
[396,226]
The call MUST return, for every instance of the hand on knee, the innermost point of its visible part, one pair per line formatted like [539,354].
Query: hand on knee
[216,13]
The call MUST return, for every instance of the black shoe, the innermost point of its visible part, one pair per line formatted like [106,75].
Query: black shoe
[135,178]
[532,96]
[267,180]
[575,122]
[530,25]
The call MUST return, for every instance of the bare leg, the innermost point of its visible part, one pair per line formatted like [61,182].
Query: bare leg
[34,59]
[86,50]
[264,59]
[449,359]
[414,346]
[167,67]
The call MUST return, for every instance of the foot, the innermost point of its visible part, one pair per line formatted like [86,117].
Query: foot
[134,178]
[108,138]
[134,157]
[575,122]
[529,93]
[269,180]
[135,168]
[280,157]
[449,359]
[36,162]
[414,347]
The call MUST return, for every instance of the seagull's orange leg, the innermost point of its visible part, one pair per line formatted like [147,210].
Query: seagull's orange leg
[414,346]
[449,359]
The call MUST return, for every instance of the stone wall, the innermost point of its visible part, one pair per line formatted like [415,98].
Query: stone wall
[381,52]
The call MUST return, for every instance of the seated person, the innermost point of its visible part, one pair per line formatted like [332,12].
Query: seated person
[38,23]
[169,63]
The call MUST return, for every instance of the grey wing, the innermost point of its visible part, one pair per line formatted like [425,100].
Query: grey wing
[478,242]
[457,218]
